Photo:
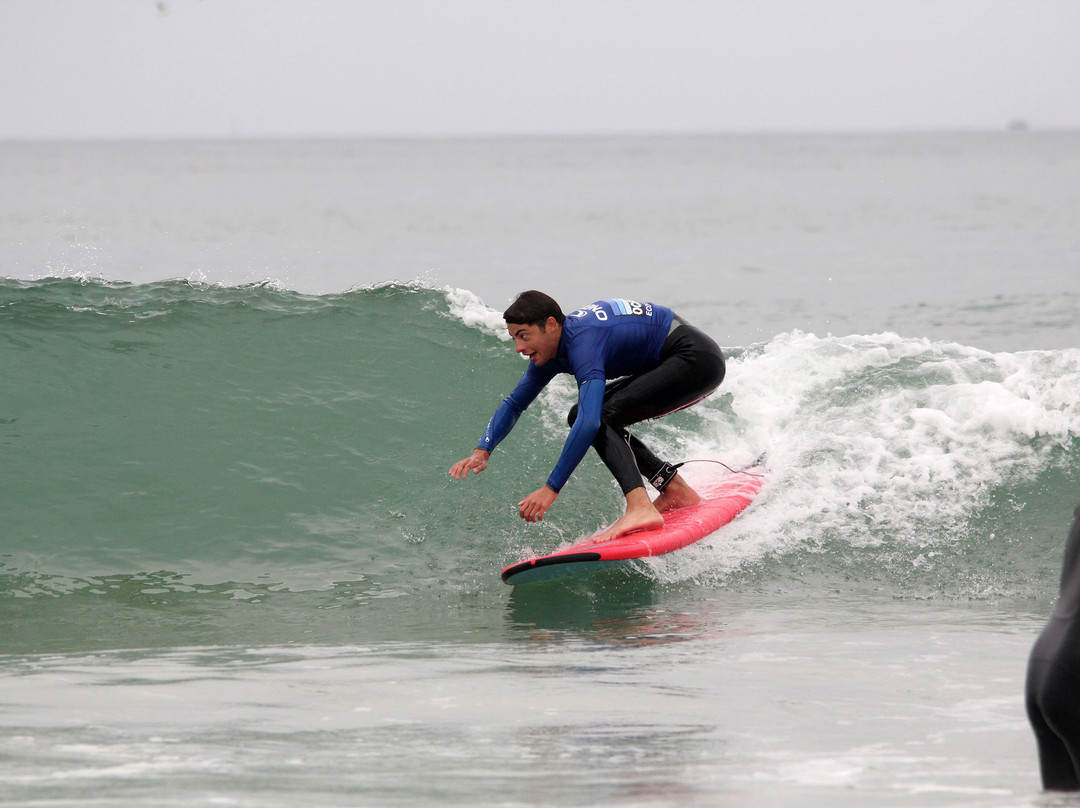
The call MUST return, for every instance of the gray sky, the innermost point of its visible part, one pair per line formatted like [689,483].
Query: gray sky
[268,68]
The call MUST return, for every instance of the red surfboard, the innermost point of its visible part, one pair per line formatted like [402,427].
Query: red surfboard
[722,500]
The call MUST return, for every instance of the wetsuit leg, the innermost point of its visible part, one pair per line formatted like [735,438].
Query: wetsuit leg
[1052,706]
[1052,688]
[691,367]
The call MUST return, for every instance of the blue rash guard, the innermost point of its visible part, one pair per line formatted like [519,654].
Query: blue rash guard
[606,340]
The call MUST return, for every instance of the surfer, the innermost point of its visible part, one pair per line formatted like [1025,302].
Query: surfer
[1053,679]
[632,361]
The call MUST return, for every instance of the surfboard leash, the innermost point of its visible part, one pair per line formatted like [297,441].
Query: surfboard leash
[725,465]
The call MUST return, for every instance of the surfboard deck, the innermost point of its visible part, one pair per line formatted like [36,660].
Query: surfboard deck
[722,500]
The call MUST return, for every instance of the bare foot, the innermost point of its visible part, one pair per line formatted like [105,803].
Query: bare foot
[677,494]
[640,515]
[631,524]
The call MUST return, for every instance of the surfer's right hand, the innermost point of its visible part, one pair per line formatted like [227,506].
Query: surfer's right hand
[477,462]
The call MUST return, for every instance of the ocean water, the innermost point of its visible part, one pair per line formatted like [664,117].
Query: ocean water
[235,571]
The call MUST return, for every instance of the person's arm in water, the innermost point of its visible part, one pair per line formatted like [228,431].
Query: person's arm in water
[582,434]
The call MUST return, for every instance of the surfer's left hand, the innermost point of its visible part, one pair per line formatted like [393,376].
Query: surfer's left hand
[532,508]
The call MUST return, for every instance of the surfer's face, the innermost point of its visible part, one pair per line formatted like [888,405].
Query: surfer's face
[537,344]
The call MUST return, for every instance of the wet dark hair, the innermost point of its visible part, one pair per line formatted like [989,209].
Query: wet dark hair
[533,308]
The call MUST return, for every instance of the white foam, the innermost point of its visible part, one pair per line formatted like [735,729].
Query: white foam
[875,439]
[472,311]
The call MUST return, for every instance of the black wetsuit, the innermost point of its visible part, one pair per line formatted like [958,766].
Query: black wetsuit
[691,367]
[1053,679]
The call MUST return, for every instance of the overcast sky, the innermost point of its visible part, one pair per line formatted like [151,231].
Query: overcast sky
[286,68]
